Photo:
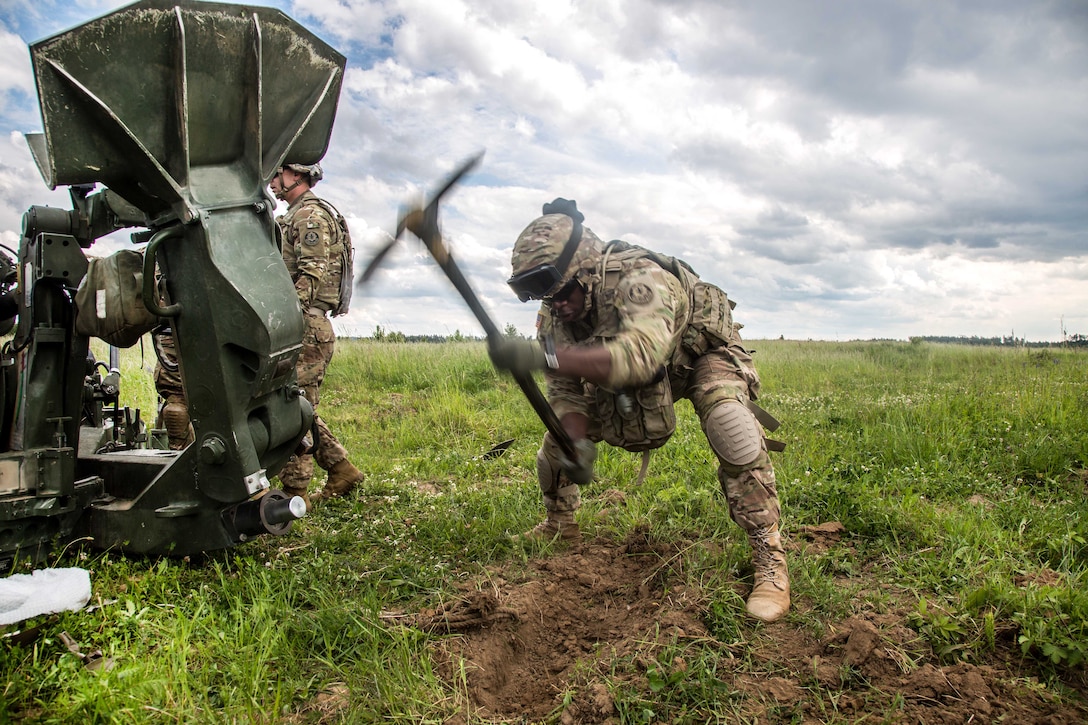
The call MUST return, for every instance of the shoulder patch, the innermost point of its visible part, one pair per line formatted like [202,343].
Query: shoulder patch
[311,238]
[640,293]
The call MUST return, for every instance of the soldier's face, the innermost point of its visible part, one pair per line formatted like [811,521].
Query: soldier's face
[283,181]
[276,185]
[569,304]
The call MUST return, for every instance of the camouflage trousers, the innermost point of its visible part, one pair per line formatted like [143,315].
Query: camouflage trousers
[720,376]
[167,379]
[174,412]
[317,349]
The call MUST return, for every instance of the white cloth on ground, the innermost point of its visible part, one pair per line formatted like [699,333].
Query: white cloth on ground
[43,591]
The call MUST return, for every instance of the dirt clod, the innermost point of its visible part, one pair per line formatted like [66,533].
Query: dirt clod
[565,637]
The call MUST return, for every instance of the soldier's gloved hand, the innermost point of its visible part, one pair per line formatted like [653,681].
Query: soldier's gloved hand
[581,470]
[516,356]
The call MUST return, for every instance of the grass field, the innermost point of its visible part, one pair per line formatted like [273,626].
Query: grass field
[935,505]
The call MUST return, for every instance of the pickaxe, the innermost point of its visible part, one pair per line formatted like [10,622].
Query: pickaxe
[422,220]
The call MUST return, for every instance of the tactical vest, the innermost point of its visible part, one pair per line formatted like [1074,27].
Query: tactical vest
[641,419]
[711,323]
[337,284]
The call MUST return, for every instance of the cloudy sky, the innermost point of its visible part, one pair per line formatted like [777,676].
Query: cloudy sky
[844,170]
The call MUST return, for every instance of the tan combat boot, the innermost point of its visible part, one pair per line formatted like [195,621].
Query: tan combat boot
[559,524]
[298,491]
[343,477]
[770,598]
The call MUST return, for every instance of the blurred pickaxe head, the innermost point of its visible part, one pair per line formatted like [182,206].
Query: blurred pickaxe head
[421,219]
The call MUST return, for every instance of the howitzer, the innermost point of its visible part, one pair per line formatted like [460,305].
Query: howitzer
[182,111]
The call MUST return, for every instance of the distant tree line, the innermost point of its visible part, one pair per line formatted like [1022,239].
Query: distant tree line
[383,335]
[1002,341]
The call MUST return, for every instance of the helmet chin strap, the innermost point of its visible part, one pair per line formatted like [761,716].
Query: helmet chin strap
[570,247]
[285,190]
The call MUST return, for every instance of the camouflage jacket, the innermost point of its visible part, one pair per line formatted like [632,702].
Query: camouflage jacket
[647,316]
[312,250]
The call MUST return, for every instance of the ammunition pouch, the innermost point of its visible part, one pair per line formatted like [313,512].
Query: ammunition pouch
[637,419]
[109,300]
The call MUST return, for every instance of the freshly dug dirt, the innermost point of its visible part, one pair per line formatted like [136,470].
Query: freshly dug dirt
[550,640]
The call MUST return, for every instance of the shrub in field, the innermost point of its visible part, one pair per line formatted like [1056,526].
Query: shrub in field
[1054,625]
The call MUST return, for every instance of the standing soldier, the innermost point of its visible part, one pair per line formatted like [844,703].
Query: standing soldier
[318,255]
[623,333]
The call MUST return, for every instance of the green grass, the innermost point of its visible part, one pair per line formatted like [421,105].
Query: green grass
[958,473]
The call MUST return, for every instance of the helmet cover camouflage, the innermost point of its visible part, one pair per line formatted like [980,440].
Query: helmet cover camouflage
[312,170]
[542,242]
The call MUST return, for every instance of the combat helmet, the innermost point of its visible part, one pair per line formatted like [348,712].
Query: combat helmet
[312,170]
[552,251]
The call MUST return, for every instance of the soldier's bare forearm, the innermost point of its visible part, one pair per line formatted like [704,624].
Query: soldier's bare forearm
[575,424]
[593,364]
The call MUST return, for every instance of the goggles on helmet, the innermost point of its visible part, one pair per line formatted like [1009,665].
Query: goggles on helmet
[536,283]
[544,280]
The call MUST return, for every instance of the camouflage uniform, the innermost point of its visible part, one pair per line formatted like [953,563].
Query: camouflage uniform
[643,314]
[651,332]
[311,251]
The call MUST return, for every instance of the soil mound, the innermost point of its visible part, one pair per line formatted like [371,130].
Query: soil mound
[548,639]
[529,642]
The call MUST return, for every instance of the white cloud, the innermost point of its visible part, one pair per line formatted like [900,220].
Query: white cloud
[848,170]
[21,187]
[15,72]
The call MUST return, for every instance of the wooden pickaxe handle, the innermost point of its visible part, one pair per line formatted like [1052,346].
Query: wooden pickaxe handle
[423,222]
